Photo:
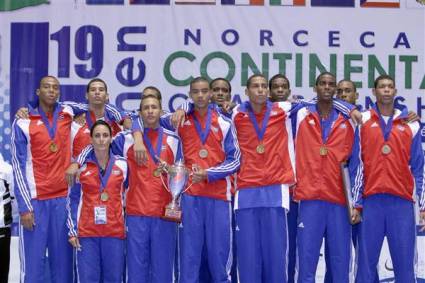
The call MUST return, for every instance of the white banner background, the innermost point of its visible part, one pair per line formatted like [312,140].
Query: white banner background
[397,32]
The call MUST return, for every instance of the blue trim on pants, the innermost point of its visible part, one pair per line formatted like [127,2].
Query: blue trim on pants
[50,233]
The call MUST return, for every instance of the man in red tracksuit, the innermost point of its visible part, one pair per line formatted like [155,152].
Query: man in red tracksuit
[393,168]
[324,139]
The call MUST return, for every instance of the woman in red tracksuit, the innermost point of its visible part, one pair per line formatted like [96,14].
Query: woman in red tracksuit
[96,216]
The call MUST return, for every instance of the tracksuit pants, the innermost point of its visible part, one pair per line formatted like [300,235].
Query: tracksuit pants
[261,237]
[205,222]
[318,219]
[151,246]
[101,259]
[355,230]
[204,272]
[49,233]
[393,217]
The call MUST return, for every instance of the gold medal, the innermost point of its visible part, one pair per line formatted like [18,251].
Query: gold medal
[260,149]
[53,147]
[203,153]
[323,151]
[104,196]
[386,149]
[157,172]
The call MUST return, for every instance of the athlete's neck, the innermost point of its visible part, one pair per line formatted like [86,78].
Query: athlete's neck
[201,111]
[153,125]
[98,110]
[102,157]
[386,109]
[324,108]
[257,108]
[47,108]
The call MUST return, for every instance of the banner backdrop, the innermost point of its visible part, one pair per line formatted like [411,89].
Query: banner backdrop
[135,43]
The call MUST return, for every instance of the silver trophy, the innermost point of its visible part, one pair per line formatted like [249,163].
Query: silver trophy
[178,177]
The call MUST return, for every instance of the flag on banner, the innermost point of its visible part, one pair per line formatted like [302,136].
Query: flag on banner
[243,2]
[9,5]
[380,3]
[150,2]
[332,3]
[287,2]
[195,2]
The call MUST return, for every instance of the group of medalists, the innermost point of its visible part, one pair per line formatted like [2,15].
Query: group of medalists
[267,185]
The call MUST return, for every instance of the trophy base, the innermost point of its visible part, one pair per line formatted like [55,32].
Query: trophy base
[173,214]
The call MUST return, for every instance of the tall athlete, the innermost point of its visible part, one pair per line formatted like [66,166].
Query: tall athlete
[151,241]
[262,195]
[41,152]
[324,139]
[280,90]
[221,95]
[393,169]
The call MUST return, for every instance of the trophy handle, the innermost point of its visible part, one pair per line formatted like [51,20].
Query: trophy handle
[163,183]
[188,187]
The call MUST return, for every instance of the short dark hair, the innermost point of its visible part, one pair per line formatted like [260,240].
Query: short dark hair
[151,87]
[248,82]
[383,77]
[349,81]
[100,123]
[322,75]
[144,97]
[278,76]
[221,79]
[197,80]
[96,80]
[48,76]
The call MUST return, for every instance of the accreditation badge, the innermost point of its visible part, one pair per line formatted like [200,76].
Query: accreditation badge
[100,215]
